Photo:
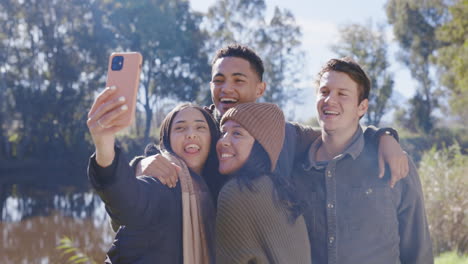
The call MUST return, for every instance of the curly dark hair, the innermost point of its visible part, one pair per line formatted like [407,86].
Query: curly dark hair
[244,52]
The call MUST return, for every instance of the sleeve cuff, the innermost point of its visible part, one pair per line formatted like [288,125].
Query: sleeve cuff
[102,176]
[387,131]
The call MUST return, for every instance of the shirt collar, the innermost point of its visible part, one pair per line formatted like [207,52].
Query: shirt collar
[354,148]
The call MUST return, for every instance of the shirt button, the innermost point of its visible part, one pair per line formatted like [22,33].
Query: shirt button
[329,174]
[330,205]
[369,191]
[332,239]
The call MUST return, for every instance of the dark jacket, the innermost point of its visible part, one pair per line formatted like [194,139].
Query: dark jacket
[352,216]
[149,212]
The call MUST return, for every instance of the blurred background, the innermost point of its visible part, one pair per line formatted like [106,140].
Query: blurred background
[53,61]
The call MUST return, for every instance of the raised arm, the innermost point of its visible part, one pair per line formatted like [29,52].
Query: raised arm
[103,122]
[110,174]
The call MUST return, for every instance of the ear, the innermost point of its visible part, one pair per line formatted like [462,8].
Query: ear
[363,106]
[261,87]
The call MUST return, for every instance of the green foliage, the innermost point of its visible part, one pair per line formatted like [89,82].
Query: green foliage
[451,258]
[417,144]
[414,25]
[53,60]
[49,62]
[168,36]
[368,46]
[443,178]
[452,58]
[70,254]
[276,41]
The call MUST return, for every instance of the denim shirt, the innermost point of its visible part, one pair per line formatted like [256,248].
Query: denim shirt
[353,216]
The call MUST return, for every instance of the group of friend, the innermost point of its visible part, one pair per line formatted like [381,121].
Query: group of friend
[235,182]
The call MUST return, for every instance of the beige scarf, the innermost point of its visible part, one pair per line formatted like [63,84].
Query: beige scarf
[196,247]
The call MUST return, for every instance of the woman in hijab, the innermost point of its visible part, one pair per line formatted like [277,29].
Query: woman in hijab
[158,224]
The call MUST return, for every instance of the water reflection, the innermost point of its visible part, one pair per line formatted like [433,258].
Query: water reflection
[34,220]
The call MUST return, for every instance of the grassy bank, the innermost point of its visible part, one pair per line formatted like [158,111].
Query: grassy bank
[451,258]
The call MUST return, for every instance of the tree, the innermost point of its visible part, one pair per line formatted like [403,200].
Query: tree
[414,26]
[452,58]
[168,36]
[368,47]
[54,53]
[283,58]
[277,42]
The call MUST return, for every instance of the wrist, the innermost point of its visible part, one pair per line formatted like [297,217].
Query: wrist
[383,132]
[105,153]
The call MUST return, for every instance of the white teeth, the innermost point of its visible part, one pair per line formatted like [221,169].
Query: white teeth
[330,112]
[225,155]
[192,146]
[228,100]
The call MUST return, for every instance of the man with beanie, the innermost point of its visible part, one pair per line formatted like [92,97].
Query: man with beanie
[259,218]
[352,216]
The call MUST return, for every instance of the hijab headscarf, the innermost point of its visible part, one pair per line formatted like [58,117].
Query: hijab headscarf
[198,191]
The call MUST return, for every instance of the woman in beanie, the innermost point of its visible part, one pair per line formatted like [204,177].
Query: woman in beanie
[159,224]
[259,217]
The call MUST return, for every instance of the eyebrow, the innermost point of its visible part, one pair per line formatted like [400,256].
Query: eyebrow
[239,74]
[234,74]
[235,126]
[184,121]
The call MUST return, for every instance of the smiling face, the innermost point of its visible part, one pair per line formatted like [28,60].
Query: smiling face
[233,81]
[233,147]
[337,104]
[190,138]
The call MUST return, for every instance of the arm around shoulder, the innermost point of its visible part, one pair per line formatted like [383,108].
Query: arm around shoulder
[305,136]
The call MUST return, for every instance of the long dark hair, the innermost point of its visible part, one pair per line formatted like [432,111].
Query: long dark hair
[210,174]
[258,164]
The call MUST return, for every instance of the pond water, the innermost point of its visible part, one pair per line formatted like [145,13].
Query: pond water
[34,220]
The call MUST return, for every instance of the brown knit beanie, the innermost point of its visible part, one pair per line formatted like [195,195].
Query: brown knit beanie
[265,122]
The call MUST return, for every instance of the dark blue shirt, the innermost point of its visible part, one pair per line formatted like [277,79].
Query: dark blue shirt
[352,216]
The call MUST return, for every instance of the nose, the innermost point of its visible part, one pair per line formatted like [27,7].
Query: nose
[224,140]
[227,87]
[191,133]
[330,98]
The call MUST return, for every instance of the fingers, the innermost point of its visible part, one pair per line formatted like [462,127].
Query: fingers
[381,165]
[394,179]
[174,175]
[107,115]
[102,97]
[399,169]
[161,168]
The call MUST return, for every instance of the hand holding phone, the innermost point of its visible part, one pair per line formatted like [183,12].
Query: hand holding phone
[124,72]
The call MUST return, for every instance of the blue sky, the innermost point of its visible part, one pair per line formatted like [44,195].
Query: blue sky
[320,21]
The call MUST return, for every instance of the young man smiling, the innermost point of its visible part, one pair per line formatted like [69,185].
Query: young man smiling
[352,216]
